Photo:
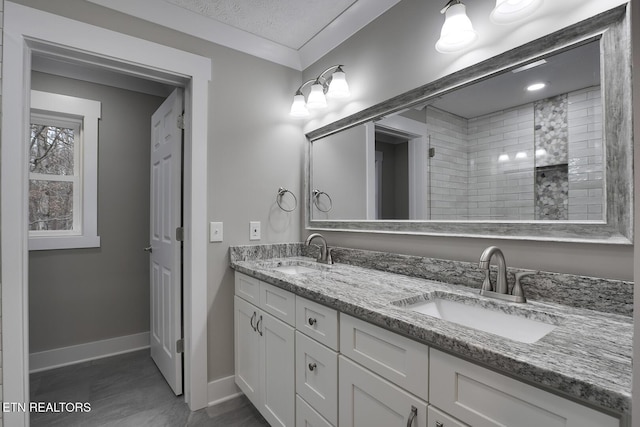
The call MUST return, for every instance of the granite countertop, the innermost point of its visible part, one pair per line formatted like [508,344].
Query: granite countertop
[586,357]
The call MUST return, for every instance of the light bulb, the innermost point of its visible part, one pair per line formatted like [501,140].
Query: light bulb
[316,97]
[298,107]
[338,88]
[510,11]
[457,31]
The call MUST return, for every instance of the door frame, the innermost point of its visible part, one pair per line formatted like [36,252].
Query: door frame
[107,49]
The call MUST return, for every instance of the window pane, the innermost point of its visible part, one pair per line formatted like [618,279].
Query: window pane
[51,150]
[50,205]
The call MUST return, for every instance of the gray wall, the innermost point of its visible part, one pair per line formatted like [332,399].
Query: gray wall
[82,295]
[1,42]
[372,55]
[340,170]
[254,148]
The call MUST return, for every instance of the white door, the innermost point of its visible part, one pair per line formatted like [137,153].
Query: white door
[165,249]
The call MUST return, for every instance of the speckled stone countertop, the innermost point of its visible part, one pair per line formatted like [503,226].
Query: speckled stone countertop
[587,357]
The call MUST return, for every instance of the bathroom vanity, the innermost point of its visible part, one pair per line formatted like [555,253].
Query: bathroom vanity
[347,345]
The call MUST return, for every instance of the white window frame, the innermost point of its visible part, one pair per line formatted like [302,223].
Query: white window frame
[55,109]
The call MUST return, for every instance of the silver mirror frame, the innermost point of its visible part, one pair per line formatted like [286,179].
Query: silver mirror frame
[612,29]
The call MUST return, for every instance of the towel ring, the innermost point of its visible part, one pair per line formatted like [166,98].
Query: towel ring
[281,192]
[316,195]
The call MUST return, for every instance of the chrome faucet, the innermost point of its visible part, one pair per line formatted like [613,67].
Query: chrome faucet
[485,261]
[501,289]
[325,252]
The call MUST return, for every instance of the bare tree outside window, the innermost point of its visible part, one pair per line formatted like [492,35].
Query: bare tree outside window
[51,164]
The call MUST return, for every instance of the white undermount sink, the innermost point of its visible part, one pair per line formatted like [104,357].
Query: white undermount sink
[507,325]
[294,269]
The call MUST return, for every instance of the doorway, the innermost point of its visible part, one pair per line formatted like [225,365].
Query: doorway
[102,49]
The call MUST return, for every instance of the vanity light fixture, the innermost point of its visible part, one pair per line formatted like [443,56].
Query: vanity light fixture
[510,11]
[536,86]
[334,85]
[457,31]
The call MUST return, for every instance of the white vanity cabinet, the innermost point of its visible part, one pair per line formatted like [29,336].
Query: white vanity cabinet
[484,398]
[264,348]
[388,386]
[316,363]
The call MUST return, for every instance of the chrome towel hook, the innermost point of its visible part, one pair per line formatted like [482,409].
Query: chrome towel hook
[281,192]
[316,195]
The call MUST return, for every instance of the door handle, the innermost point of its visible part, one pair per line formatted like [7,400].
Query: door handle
[251,322]
[258,328]
[414,414]
[148,249]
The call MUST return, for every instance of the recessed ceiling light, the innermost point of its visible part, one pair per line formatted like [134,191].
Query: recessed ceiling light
[536,86]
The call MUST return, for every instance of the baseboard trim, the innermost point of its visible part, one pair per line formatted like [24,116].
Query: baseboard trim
[223,389]
[64,356]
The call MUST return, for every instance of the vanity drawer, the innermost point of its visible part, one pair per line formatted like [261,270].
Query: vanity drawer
[317,376]
[278,302]
[317,321]
[437,418]
[248,288]
[484,398]
[306,416]
[400,360]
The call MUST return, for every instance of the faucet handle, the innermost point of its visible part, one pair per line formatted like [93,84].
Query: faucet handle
[517,287]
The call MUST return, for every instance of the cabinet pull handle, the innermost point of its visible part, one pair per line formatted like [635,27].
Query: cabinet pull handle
[312,321]
[258,325]
[312,366]
[439,424]
[414,414]
[251,321]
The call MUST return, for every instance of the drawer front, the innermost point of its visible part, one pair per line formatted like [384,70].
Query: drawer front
[317,376]
[366,399]
[306,416]
[400,360]
[317,321]
[248,288]
[437,418]
[484,398]
[278,303]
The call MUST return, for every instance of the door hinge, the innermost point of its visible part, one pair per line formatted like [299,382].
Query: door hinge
[180,234]
[181,121]
[180,346]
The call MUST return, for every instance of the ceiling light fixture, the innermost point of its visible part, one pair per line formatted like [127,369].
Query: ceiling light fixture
[333,85]
[510,11]
[457,31]
[536,86]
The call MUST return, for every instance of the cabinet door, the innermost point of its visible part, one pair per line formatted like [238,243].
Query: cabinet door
[247,349]
[438,418]
[484,398]
[278,371]
[367,399]
[306,416]
[317,376]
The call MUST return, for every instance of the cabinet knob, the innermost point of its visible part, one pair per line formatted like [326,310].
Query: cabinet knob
[312,321]
[312,366]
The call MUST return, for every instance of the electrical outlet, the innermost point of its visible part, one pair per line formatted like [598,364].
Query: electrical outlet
[215,232]
[254,230]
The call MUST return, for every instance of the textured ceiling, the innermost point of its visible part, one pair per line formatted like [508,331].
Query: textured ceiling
[291,23]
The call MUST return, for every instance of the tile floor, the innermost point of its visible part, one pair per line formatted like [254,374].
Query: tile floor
[128,390]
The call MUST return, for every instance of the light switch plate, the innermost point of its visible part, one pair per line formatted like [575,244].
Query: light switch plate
[254,230]
[215,232]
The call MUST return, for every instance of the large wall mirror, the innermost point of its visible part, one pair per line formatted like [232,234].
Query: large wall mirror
[533,144]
